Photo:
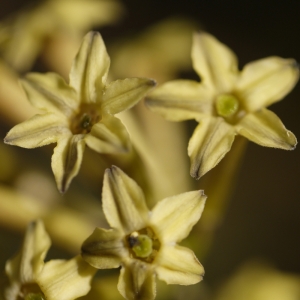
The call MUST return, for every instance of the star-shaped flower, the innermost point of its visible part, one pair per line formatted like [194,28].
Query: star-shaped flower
[143,242]
[227,102]
[23,36]
[80,112]
[32,279]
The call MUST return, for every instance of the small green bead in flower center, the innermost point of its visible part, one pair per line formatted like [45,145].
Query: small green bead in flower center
[141,244]
[83,122]
[34,296]
[227,105]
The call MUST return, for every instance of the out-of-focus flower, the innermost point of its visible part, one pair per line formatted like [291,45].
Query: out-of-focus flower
[79,113]
[160,52]
[144,243]
[32,279]
[23,36]
[227,102]
[256,281]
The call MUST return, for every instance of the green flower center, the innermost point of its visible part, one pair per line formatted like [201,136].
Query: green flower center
[31,291]
[143,244]
[83,122]
[227,105]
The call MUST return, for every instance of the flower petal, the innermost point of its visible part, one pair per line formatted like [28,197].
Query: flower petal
[90,68]
[66,280]
[180,100]
[266,81]
[211,140]
[82,15]
[266,129]
[174,217]
[178,265]
[103,249]
[214,62]
[66,160]
[121,95]
[40,130]
[137,281]
[50,92]
[108,136]
[123,201]
[29,262]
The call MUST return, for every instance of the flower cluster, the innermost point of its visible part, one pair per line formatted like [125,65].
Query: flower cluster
[144,233]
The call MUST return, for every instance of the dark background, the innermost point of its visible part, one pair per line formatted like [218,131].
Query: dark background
[263,218]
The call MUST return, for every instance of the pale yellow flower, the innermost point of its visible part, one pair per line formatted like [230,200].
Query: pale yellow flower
[227,102]
[24,35]
[259,281]
[32,279]
[80,112]
[143,242]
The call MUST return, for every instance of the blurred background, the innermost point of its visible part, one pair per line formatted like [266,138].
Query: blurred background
[262,218]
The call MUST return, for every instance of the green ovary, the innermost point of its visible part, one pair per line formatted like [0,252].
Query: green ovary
[227,105]
[142,246]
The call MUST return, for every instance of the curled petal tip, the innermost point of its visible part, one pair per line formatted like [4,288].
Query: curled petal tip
[196,174]
[152,82]
[202,193]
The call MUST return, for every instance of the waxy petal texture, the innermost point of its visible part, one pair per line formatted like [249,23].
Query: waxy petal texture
[66,159]
[66,280]
[214,62]
[104,249]
[137,281]
[108,136]
[40,130]
[266,129]
[180,100]
[50,92]
[178,265]
[124,204]
[121,95]
[211,140]
[174,217]
[90,68]
[266,81]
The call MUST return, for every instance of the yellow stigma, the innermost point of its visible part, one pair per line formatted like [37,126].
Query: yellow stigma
[226,105]
[141,244]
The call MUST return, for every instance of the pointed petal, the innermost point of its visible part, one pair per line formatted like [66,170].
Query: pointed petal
[121,95]
[174,217]
[266,81]
[90,68]
[266,129]
[211,140]
[50,92]
[137,281]
[104,249]
[178,265]
[180,100]
[40,130]
[29,262]
[66,159]
[66,280]
[123,201]
[108,136]
[214,62]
